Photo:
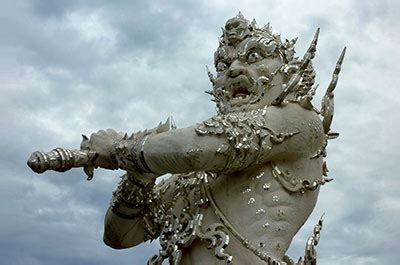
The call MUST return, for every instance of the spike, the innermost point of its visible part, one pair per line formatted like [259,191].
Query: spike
[295,78]
[311,92]
[268,28]
[220,42]
[223,31]
[209,92]
[210,75]
[89,171]
[168,125]
[84,143]
[240,15]
[327,108]
[125,136]
[325,169]
[254,23]
[336,72]
[172,124]
[321,220]
[332,135]
[310,54]
[287,88]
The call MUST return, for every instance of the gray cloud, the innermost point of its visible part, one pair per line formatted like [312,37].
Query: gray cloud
[75,67]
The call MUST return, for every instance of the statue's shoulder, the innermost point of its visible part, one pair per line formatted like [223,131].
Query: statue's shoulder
[304,122]
[286,118]
[234,123]
[291,113]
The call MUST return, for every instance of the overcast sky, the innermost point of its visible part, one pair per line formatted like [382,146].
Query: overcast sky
[72,67]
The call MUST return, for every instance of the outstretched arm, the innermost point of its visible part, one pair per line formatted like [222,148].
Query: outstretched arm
[226,143]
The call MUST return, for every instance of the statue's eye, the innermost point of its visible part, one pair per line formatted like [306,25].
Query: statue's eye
[221,66]
[254,57]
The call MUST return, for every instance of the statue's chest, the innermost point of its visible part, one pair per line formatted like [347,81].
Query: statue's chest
[268,201]
[253,200]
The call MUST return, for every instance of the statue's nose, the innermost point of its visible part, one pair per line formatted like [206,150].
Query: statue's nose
[236,69]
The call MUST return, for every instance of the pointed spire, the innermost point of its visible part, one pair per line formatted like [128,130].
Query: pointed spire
[267,28]
[254,23]
[310,54]
[296,77]
[171,123]
[327,108]
[240,15]
[335,75]
[168,125]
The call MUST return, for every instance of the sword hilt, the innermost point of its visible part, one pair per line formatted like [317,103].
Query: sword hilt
[61,159]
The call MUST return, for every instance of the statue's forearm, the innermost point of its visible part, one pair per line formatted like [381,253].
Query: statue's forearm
[123,233]
[182,151]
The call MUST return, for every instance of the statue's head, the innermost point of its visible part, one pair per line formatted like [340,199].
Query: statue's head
[252,66]
[236,29]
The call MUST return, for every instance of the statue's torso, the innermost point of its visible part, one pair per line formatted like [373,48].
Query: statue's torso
[260,209]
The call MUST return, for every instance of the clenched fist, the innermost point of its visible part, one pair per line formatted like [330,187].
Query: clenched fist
[102,143]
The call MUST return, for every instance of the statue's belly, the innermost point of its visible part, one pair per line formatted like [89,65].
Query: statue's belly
[260,209]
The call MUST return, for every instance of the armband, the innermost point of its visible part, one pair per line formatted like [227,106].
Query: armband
[128,153]
[130,197]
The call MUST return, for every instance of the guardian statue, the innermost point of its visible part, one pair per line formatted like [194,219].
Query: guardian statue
[242,183]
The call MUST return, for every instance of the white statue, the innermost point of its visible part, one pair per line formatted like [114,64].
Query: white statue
[243,182]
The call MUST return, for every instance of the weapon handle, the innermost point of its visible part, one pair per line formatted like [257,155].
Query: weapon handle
[60,159]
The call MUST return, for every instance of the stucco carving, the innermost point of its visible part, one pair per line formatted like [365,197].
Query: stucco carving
[244,181]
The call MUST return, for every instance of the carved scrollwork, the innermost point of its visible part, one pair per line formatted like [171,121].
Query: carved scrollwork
[249,138]
[179,231]
[295,183]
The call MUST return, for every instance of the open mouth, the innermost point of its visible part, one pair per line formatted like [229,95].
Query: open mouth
[241,91]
